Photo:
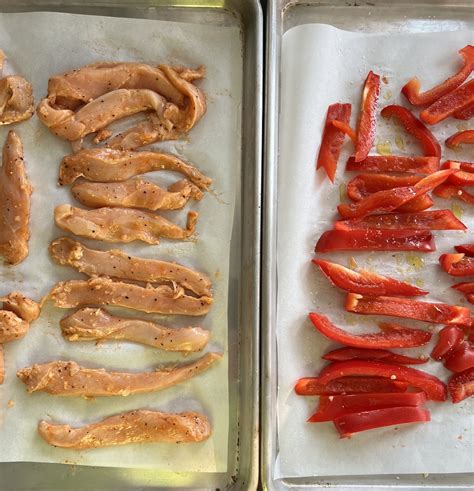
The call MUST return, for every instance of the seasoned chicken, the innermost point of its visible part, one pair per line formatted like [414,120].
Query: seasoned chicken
[107,165]
[115,263]
[2,366]
[22,306]
[104,291]
[67,378]
[16,100]
[12,327]
[15,198]
[121,224]
[136,193]
[139,426]
[94,324]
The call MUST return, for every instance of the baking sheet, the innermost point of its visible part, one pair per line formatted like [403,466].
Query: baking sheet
[333,70]
[51,43]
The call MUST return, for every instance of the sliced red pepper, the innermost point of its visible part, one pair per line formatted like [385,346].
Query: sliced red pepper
[465,113]
[433,387]
[458,165]
[398,337]
[448,191]
[460,137]
[376,240]
[411,89]
[438,313]
[457,264]
[379,418]
[310,386]
[467,249]
[365,282]
[349,353]
[461,385]
[332,139]
[431,147]
[425,220]
[344,127]
[394,163]
[461,358]
[465,174]
[465,287]
[367,119]
[449,104]
[449,338]
[470,297]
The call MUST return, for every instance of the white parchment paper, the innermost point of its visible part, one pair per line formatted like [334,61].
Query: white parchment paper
[52,43]
[322,65]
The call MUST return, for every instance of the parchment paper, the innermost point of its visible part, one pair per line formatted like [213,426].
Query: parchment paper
[322,65]
[53,43]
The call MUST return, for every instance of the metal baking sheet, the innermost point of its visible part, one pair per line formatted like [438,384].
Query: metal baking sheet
[370,17]
[244,267]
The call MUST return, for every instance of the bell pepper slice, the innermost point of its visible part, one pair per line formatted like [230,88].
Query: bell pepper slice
[449,104]
[449,338]
[333,138]
[438,313]
[470,297]
[365,282]
[461,358]
[460,137]
[431,147]
[465,113]
[332,407]
[367,119]
[461,385]
[465,174]
[394,163]
[424,220]
[448,191]
[467,249]
[310,386]
[353,423]
[398,337]
[457,264]
[376,240]
[344,127]
[390,199]
[465,287]
[349,353]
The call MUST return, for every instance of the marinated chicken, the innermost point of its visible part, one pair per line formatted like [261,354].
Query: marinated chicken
[12,327]
[104,291]
[115,263]
[98,324]
[121,224]
[22,306]
[67,378]
[15,200]
[136,193]
[139,426]
[107,165]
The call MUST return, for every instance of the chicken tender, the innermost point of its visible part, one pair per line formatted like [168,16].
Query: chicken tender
[22,306]
[16,100]
[12,327]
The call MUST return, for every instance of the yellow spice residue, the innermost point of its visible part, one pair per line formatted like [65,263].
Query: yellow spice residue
[352,263]
[387,95]
[462,126]
[342,193]
[415,261]
[399,142]
[457,210]
[349,319]
[420,282]
[384,148]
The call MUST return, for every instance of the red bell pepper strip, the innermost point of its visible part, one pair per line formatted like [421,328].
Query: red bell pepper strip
[376,240]
[332,407]
[449,338]
[431,147]
[332,139]
[461,385]
[343,354]
[425,220]
[389,200]
[367,119]
[438,313]
[455,164]
[470,297]
[464,287]
[398,337]
[465,113]
[461,358]
[344,127]
[365,282]
[465,174]
[411,89]
[379,418]
[457,264]
[394,163]
[310,386]
[467,249]
[433,387]
[448,191]
[460,137]
[449,104]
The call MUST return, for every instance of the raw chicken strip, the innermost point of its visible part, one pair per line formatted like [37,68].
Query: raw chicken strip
[104,291]
[67,378]
[2,366]
[93,324]
[15,199]
[139,426]
[22,306]
[136,193]
[107,165]
[121,224]
[16,100]
[12,327]
[115,263]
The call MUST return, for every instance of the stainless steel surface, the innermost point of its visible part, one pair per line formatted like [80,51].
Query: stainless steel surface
[371,16]
[244,287]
